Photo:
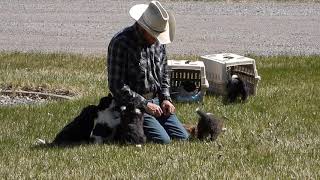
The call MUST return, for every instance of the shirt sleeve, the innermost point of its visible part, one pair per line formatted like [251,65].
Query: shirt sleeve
[117,66]
[165,80]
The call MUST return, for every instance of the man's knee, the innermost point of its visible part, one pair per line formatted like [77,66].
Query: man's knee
[175,129]
[158,136]
[184,136]
[163,140]
[166,139]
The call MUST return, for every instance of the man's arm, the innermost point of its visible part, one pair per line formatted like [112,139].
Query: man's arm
[165,80]
[116,63]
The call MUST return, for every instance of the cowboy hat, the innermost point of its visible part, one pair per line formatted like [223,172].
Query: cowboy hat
[155,20]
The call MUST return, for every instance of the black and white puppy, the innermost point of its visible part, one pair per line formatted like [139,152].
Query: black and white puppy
[107,120]
[236,87]
[101,124]
[130,129]
[88,124]
[79,129]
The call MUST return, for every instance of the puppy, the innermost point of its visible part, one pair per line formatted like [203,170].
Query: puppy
[78,130]
[189,86]
[106,122]
[236,87]
[208,127]
[130,129]
[89,124]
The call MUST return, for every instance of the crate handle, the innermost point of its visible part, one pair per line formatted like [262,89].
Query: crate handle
[228,57]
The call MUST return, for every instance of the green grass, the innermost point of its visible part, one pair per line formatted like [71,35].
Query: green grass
[274,135]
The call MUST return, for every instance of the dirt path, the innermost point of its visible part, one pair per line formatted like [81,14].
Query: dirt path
[84,26]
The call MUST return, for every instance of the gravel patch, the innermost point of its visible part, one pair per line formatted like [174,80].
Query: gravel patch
[20,100]
[263,28]
[21,97]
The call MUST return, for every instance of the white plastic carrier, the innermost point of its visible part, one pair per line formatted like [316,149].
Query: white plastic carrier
[191,71]
[220,67]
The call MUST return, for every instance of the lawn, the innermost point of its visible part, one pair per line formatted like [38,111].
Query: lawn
[273,135]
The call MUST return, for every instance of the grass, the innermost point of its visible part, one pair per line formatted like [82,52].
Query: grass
[274,135]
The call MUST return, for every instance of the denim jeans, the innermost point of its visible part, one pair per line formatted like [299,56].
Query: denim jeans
[163,129]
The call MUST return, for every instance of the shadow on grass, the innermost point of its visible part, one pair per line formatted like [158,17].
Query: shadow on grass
[224,99]
[192,141]
[82,144]
[60,146]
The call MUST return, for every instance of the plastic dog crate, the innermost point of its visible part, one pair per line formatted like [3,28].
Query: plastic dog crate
[220,68]
[184,72]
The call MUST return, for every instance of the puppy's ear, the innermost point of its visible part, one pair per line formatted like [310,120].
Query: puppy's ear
[105,102]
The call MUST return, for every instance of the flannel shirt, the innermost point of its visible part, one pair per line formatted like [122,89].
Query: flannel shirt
[135,68]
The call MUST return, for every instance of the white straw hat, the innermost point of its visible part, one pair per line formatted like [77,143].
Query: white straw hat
[156,20]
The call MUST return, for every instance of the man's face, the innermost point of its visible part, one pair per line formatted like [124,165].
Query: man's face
[150,39]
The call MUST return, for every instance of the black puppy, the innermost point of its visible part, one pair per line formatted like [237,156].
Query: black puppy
[189,86]
[236,87]
[80,129]
[130,129]
[208,126]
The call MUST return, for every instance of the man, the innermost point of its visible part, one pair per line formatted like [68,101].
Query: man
[137,70]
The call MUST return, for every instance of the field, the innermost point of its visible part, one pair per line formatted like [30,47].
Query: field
[274,135]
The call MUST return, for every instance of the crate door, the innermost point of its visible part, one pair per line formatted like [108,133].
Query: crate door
[178,76]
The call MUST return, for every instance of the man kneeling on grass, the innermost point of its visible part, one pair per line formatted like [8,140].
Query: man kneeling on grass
[137,70]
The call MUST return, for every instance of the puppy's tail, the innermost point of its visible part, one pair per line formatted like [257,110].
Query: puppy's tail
[201,113]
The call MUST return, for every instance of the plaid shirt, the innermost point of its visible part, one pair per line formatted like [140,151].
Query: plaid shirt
[135,68]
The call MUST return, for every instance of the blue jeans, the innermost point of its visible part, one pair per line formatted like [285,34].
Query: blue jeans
[163,129]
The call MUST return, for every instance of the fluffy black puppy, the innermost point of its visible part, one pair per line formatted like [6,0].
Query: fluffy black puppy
[208,126]
[80,129]
[189,86]
[236,87]
[130,129]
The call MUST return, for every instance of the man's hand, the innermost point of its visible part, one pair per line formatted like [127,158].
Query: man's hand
[154,109]
[167,108]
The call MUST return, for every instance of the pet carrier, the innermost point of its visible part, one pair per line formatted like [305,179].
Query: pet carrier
[220,68]
[187,80]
